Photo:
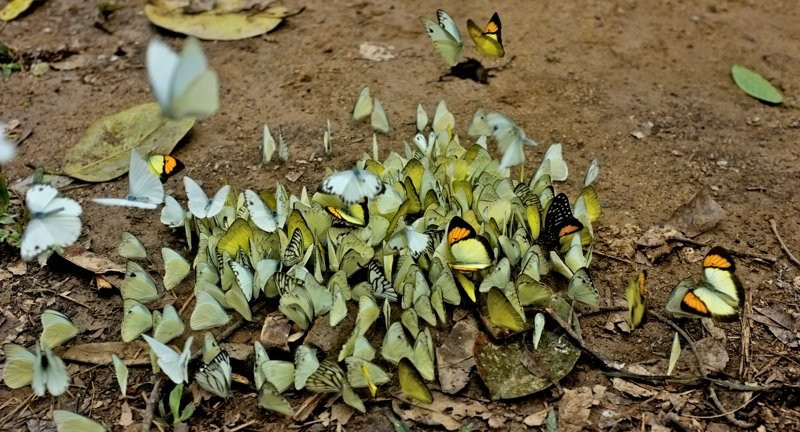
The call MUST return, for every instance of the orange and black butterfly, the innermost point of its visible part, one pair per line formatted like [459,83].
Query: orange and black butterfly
[470,251]
[164,166]
[720,295]
[354,215]
[488,42]
[559,221]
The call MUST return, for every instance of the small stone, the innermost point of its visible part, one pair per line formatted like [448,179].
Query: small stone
[722,163]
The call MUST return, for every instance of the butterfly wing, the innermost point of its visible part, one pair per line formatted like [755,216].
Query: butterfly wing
[198,200]
[488,42]
[559,221]
[718,269]
[444,42]
[61,228]
[262,216]
[379,119]
[194,90]
[161,65]
[144,187]
[215,377]
[216,205]
[172,214]
[363,106]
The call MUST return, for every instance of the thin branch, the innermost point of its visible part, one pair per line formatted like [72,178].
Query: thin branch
[152,401]
[786,250]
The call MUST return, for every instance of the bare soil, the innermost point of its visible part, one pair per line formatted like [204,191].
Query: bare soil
[586,74]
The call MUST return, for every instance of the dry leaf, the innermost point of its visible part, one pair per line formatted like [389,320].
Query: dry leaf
[536,419]
[133,354]
[18,268]
[21,187]
[712,354]
[126,416]
[698,215]
[574,409]
[631,389]
[455,356]
[444,411]
[275,331]
[86,260]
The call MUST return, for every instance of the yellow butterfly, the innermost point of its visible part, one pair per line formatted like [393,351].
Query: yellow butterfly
[470,251]
[719,295]
[352,215]
[488,42]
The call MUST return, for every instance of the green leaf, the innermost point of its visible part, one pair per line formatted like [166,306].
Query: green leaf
[187,412]
[551,424]
[104,151]
[219,23]
[755,85]
[175,401]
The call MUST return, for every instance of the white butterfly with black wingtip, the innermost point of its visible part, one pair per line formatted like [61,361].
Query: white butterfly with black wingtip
[353,185]
[510,138]
[145,190]
[55,221]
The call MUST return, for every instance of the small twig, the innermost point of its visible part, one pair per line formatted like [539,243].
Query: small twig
[18,408]
[741,407]
[242,426]
[62,295]
[152,401]
[786,250]
[613,257]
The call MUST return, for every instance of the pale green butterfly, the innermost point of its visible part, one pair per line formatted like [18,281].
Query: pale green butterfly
[121,371]
[169,326]
[138,284]
[175,365]
[175,268]
[136,320]
[131,248]
[67,421]
[207,312]
[56,328]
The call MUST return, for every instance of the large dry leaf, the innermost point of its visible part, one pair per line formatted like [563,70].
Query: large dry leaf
[445,411]
[96,264]
[133,354]
[455,358]
[104,151]
[698,215]
[516,369]
[14,8]
[226,21]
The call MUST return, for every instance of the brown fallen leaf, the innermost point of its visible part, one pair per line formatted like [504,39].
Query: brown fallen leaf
[698,215]
[330,339]
[780,324]
[238,351]
[275,331]
[455,356]
[134,353]
[57,181]
[126,416]
[341,413]
[73,62]
[631,389]
[78,255]
[18,268]
[574,409]
[445,411]
[537,418]
[711,352]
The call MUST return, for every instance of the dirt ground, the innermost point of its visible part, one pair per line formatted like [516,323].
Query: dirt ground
[586,74]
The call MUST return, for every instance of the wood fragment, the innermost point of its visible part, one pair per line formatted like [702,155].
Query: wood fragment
[151,402]
[785,249]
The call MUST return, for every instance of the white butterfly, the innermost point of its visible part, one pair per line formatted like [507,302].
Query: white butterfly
[183,84]
[556,168]
[199,204]
[353,185]
[7,149]
[510,139]
[445,36]
[173,364]
[145,190]
[410,237]
[260,214]
[55,221]
[49,373]
[268,146]
[172,215]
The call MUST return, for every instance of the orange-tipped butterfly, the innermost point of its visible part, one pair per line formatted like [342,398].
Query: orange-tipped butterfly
[164,166]
[719,295]
[488,42]
[471,252]
[559,221]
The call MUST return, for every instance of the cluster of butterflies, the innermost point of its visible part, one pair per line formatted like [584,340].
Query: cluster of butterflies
[447,39]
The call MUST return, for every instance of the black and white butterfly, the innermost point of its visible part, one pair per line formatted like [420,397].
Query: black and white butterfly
[215,376]
[381,286]
[353,185]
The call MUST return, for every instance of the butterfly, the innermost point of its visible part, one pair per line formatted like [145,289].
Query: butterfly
[175,268]
[67,421]
[559,221]
[183,84]
[353,185]
[260,214]
[330,378]
[637,304]
[56,329]
[18,367]
[207,313]
[7,149]
[488,42]
[167,325]
[720,295]
[422,118]
[379,119]
[363,106]
[199,204]
[49,373]
[175,365]
[268,146]
[172,214]
[164,166]
[470,251]
[411,238]
[510,139]
[145,190]
[131,248]
[215,376]
[121,371]
[411,382]
[138,284]
[356,215]
[136,320]
[55,221]
[381,286]
[445,36]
